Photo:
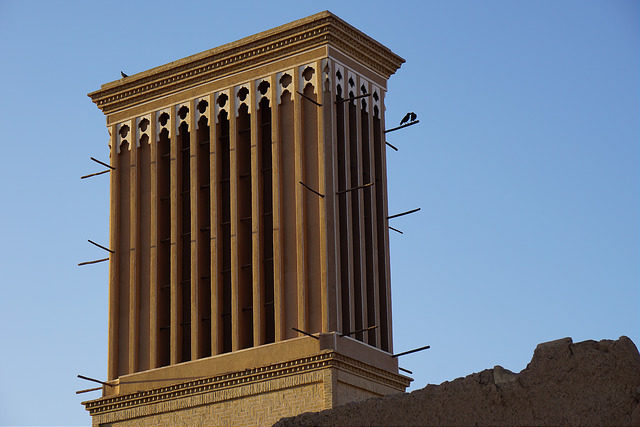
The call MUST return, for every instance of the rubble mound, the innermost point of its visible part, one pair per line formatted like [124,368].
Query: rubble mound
[587,383]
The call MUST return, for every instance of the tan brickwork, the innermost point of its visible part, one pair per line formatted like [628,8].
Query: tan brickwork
[260,409]
[309,384]
[350,387]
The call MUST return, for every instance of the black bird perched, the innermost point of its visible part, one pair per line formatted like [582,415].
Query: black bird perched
[414,116]
[123,74]
[405,119]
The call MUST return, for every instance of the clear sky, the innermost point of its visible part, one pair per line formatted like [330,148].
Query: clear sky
[525,164]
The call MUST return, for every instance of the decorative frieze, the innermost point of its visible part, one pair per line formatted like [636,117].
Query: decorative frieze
[262,90]
[143,129]
[221,103]
[243,97]
[285,84]
[123,136]
[307,76]
[182,115]
[321,29]
[163,122]
[203,107]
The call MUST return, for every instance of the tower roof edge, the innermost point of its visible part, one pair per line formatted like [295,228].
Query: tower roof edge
[321,29]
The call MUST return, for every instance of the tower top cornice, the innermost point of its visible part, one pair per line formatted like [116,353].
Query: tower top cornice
[321,29]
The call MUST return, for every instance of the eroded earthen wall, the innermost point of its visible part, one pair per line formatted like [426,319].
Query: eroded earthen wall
[588,383]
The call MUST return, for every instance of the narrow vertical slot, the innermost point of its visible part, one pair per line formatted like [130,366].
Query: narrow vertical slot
[164,249]
[267,216]
[204,228]
[342,214]
[224,190]
[368,225]
[382,231]
[184,198]
[123,253]
[355,218]
[245,288]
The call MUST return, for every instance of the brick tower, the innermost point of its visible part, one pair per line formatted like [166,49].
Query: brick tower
[250,273]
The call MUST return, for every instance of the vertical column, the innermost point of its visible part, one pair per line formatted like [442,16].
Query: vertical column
[276,162]
[236,310]
[123,251]
[134,237]
[379,223]
[350,210]
[143,241]
[368,174]
[332,214]
[323,180]
[383,258]
[162,212]
[243,233]
[176,220]
[289,185]
[362,221]
[224,260]
[201,121]
[256,224]
[263,107]
[374,219]
[153,250]
[114,225]
[312,203]
[183,142]
[216,237]
[301,277]
[343,180]
[194,316]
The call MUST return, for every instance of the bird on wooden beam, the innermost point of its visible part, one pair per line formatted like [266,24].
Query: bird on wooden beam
[123,74]
[408,117]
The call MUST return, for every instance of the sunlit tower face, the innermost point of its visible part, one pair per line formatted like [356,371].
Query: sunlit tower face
[249,202]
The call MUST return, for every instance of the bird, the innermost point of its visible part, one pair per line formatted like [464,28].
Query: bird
[405,119]
[123,74]
[414,116]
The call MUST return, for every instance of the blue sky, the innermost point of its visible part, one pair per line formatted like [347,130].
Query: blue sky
[525,164]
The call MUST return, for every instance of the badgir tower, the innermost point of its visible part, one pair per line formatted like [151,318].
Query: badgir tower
[249,274]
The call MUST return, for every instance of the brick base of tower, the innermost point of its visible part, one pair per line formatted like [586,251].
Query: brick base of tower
[263,387]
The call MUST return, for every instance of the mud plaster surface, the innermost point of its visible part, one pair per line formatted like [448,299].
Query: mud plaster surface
[586,383]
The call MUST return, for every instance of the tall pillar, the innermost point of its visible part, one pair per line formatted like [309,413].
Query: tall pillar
[276,165]
[114,294]
[154,279]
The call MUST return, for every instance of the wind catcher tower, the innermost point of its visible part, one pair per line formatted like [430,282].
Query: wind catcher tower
[250,273]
